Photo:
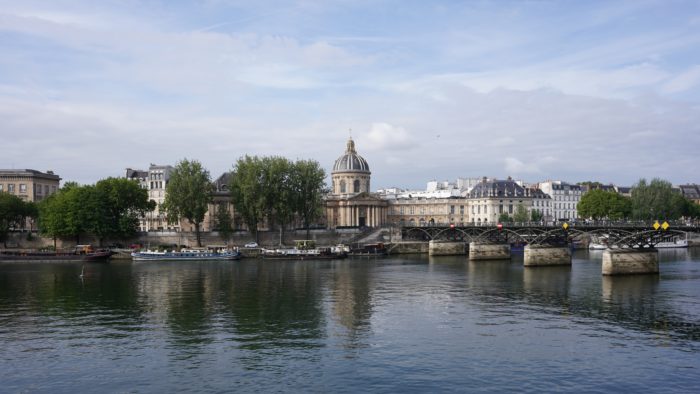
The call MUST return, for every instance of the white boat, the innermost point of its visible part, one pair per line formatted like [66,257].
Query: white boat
[672,242]
[598,243]
[186,254]
[669,242]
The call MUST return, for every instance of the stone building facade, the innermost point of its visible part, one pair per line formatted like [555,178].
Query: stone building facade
[29,185]
[421,211]
[350,203]
[155,180]
[565,199]
[491,198]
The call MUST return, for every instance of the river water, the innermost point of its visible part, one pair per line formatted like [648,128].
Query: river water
[398,324]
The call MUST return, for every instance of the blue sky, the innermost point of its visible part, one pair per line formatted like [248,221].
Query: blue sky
[572,90]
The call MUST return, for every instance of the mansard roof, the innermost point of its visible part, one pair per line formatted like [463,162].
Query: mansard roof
[497,188]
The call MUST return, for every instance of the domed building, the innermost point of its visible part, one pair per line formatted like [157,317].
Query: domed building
[350,203]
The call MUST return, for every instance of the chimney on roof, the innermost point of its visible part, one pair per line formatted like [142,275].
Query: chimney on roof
[49,172]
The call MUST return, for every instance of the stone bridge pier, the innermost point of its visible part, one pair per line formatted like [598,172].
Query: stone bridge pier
[630,261]
[485,251]
[543,255]
[446,248]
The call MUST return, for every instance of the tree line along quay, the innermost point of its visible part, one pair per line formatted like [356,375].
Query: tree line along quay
[274,195]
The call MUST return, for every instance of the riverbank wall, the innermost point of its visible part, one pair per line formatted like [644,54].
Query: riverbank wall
[154,239]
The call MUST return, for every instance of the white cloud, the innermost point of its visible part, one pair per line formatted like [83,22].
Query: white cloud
[384,136]
[687,80]
[439,101]
[517,167]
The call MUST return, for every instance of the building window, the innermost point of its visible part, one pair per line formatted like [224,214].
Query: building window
[356,186]
[1,185]
[22,188]
[342,186]
[452,209]
[10,187]
[461,209]
[510,208]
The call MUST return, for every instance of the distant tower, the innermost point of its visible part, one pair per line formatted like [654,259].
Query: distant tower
[351,174]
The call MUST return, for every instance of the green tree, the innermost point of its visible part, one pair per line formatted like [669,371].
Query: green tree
[188,194]
[71,212]
[31,210]
[119,203]
[12,214]
[521,215]
[278,196]
[599,204]
[224,222]
[536,215]
[275,189]
[505,218]
[693,210]
[657,200]
[309,186]
[52,220]
[246,191]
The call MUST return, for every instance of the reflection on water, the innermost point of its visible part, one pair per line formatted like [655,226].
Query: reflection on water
[396,324]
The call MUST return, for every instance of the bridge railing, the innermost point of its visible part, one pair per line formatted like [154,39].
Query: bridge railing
[553,224]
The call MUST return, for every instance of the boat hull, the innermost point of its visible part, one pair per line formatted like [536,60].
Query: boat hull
[97,257]
[136,256]
[302,255]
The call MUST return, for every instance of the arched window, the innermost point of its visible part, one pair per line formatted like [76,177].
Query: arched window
[342,186]
[356,186]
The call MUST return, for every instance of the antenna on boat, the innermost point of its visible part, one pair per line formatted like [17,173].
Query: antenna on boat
[82,272]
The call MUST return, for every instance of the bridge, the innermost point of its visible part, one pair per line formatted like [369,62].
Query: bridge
[625,234]
[630,246]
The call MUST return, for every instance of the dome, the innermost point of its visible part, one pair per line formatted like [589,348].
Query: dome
[350,161]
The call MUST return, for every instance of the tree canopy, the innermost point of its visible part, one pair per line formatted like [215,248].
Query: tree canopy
[656,200]
[120,202]
[600,204]
[109,209]
[505,218]
[521,215]
[188,194]
[277,190]
[13,212]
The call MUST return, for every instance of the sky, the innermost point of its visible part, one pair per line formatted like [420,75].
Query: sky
[429,90]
